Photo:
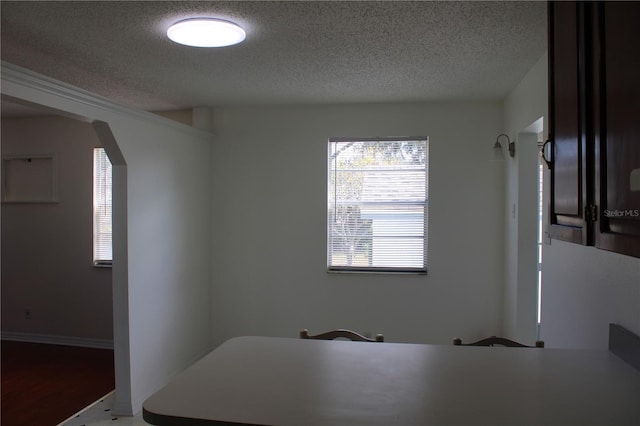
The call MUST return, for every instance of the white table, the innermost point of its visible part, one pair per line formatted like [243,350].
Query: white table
[278,381]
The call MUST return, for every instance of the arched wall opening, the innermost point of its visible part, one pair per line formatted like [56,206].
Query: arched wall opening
[163,232]
[119,284]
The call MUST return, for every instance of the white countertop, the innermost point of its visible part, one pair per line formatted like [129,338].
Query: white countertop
[279,381]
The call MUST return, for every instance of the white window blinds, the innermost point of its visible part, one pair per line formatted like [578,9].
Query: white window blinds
[377,204]
[102,252]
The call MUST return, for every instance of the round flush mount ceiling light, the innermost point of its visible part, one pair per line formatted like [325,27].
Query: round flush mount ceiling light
[206,32]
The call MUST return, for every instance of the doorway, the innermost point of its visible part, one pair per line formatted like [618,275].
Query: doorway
[91,292]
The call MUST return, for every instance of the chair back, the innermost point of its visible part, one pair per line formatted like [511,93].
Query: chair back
[341,333]
[499,341]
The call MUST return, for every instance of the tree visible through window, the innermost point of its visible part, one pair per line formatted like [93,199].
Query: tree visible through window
[102,251]
[377,206]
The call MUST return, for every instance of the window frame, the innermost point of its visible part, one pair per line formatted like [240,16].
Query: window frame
[424,205]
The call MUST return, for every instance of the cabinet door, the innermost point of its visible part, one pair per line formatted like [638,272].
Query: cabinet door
[566,126]
[617,119]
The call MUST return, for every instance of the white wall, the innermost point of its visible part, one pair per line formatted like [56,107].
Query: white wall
[583,288]
[169,248]
[162,233]
[269,187]
[47,261]
[524,106]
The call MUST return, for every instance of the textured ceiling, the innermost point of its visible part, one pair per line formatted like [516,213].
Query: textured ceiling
[295,52]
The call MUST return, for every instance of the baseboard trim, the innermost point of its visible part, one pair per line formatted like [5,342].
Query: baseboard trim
[57,340]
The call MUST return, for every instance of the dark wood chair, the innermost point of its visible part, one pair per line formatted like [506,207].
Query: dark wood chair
[497,341]
[341,333]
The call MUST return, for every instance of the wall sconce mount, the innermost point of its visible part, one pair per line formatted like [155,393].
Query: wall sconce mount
[511,145]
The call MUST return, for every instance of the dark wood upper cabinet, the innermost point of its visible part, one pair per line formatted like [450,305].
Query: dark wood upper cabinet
[568,188]
[617,126]
[594,124]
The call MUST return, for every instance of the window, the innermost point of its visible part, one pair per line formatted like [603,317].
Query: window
[102,253]
[377,204]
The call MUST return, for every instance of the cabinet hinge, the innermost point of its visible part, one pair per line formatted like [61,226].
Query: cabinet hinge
[591,213]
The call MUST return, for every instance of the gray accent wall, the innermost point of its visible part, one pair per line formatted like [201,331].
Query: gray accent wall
[49,284]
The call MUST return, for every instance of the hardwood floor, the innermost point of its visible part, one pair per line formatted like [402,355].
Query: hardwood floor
[42,385]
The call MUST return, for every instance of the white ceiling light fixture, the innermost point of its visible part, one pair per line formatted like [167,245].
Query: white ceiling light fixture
[206,32]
